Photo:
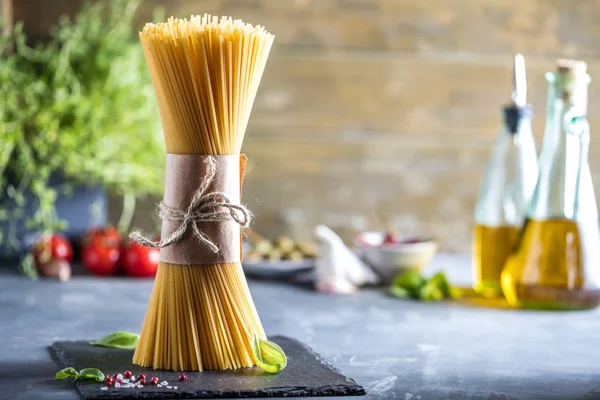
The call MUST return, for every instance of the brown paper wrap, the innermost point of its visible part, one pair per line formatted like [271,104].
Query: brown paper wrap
[183,175]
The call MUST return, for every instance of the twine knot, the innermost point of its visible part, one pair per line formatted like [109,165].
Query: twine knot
[204,207]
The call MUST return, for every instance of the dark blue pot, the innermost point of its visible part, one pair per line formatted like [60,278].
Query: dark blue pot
[81,208]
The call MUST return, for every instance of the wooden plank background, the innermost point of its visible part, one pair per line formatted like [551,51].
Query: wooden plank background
[375,111]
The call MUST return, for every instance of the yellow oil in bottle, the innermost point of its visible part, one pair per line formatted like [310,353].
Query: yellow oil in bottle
[547,270]
[492,245]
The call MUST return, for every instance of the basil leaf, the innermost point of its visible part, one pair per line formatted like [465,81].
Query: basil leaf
[268,355]
[410,280]
[119,340]
[399,292]
[92,373]
[431,292]
[66,373]
[441,281]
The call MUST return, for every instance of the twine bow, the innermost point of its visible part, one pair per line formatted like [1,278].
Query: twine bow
[204,207]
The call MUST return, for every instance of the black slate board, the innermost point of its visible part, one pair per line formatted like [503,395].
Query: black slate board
[306,374]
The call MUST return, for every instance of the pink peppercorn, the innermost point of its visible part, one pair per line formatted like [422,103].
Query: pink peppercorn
[127,374]
[183,377]
[154,380]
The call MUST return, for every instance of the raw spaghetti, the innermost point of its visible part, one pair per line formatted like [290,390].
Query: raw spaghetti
[206,72]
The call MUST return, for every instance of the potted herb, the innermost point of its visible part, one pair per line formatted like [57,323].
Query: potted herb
[71,113]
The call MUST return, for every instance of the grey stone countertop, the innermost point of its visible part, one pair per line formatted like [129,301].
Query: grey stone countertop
[396,349]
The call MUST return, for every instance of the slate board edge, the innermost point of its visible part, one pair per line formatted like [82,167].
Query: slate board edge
[342,390]
[316,355]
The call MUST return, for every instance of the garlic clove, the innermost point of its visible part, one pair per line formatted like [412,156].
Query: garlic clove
[56,269]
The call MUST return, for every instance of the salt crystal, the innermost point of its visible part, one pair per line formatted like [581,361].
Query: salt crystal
[159,385]
[104,388]
[132,378]
[117,384]
[169,387]
[174,387]
[140,386]
[126,380]
[164,383]
[120,376]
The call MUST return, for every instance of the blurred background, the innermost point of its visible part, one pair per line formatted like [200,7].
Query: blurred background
[377,113]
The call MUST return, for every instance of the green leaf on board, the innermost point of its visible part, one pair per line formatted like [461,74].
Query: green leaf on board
[66,373]
[119,340]
[268,355]
[92,373]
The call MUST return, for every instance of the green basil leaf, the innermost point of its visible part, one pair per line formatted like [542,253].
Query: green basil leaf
[431,292]
[92,373]
[119,340]
[268,355]
[441,281]
[66,373]
[399,292]
[410,280]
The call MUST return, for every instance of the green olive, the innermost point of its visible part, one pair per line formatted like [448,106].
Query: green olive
[275,255]
[263,247]
[295,255]
[307,249]
[285,244]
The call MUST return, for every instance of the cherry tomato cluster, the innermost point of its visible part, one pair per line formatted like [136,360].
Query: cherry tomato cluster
[103,252]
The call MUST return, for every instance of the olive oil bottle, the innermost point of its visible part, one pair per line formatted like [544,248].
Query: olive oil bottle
[556,264]
[507,185]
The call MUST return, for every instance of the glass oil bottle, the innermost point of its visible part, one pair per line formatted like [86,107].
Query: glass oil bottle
[557,259]
[508,183]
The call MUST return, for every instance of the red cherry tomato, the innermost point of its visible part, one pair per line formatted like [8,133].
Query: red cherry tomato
[141,261]
[52,247]
[109,236]
[101,250]
[100,260]
[122,254]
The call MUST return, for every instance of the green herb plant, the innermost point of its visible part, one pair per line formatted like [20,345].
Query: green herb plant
[269,356]
[119,340]
[411,284]
[80,106]
[85,374]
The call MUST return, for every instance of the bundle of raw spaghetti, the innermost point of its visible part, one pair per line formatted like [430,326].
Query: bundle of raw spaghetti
[206,72]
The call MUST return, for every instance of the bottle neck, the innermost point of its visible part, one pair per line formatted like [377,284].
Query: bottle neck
[564,170]
[568,90]
[567,98]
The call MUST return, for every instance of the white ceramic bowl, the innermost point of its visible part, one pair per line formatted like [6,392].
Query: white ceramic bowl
[389,260]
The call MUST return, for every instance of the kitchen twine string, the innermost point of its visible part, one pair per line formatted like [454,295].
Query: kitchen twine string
[204,207]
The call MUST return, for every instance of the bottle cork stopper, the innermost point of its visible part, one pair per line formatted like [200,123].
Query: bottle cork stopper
[574,67]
